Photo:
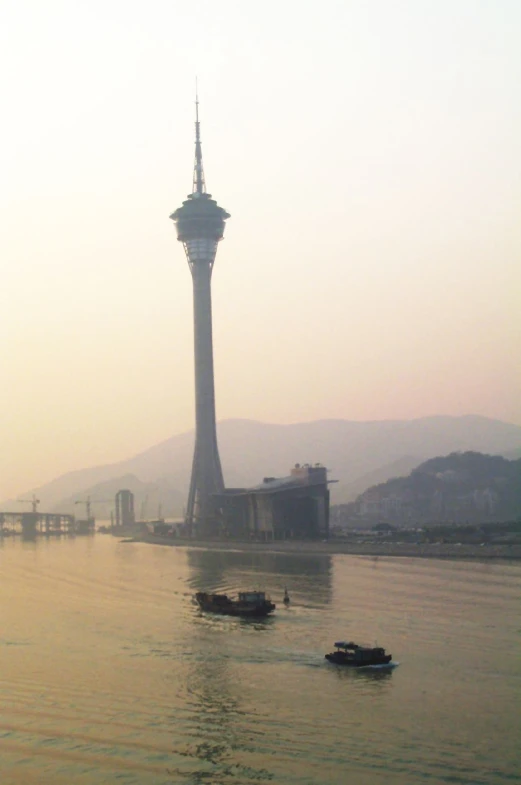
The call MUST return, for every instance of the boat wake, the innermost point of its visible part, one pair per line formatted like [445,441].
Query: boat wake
[387,666]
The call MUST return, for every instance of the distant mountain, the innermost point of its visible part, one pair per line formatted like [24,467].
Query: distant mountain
[398,468]
[513,455]
[356,453]
[460,487]
[151,499]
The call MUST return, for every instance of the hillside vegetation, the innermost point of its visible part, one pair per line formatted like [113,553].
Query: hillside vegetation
[460,487]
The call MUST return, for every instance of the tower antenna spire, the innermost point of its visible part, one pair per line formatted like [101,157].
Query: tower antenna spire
[199,186]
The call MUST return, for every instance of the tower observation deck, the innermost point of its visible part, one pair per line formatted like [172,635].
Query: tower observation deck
[200,226]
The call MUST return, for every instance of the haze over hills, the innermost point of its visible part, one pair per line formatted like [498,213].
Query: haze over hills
[358,454]
[152,499]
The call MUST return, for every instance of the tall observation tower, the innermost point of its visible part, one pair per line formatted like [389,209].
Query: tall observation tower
[200,226]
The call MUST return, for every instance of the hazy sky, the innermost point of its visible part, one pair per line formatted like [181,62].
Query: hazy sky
[368,152]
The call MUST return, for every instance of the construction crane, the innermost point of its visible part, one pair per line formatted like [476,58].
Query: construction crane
[144,506]
[34,501]
[87,502]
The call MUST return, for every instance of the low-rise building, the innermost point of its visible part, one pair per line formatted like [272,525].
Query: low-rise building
[279,508]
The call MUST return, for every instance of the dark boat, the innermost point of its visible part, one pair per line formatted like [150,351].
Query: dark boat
[286,599]
[355,656]
[248,603]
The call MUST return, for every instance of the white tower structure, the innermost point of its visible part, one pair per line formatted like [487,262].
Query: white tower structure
[200,226]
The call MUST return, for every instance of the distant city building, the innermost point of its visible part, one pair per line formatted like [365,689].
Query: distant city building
[125,508]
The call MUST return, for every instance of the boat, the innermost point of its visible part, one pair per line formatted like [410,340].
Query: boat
[355,656]
[248,603]
[286,599]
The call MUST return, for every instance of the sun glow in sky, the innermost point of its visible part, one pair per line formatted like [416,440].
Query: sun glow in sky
[368,153]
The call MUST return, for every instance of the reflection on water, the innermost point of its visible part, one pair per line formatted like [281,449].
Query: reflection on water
[222,724]
[214,708]
[367,677]
[28,537]
[110,672]
[307,576]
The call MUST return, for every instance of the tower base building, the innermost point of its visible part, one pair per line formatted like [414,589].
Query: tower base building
[279,508]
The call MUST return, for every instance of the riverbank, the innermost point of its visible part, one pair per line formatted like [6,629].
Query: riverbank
[420,550]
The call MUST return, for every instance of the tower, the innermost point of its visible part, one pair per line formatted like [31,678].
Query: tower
[125,508]
[200,226]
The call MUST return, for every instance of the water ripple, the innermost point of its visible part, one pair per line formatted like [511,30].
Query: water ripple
[110,672]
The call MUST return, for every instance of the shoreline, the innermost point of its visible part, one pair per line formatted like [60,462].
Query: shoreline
[296,547]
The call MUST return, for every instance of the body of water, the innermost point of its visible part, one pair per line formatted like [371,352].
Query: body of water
[110,674]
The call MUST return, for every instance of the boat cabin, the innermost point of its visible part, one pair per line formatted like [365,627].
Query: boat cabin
[359,653]
[252,596]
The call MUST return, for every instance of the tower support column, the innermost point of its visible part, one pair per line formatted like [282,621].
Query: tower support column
[207,477]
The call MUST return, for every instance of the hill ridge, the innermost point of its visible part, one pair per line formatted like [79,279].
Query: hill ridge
[251,449]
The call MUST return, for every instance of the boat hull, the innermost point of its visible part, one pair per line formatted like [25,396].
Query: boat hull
[224,606]
[382,662]
[246,612]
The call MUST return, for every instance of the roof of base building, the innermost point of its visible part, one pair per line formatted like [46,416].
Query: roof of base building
[272,483]
[278,484]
